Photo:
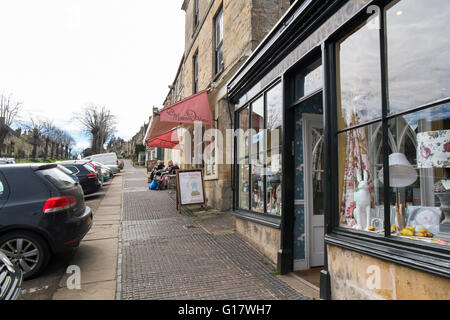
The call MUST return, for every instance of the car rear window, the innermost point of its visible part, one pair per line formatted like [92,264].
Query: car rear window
[73,169]
[58,178]
[89,167]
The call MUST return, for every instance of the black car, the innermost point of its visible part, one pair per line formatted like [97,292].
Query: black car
[86,175]
[42,212]
[10,279]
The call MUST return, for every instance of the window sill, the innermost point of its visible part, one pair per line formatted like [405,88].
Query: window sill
[218,75]
[269,221]
[424,257]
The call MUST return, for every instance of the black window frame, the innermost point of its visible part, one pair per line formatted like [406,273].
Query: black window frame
[218,47]
[196,14]
[432,258]
[259,217]
[195,73]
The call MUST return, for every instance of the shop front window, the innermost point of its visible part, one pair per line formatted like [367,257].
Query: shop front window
[259,154]
[258,150]
[359,75]
[309,80]
[419,173]
[419,65]
[358,170]
[243,165]
[274,142]
[412,136]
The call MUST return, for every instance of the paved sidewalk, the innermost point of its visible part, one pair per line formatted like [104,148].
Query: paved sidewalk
[164,255]
[97,254]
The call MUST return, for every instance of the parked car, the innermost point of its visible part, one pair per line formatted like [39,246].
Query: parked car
[110,173]
[10,279]
[105,171]
[98,171]
[86,175]
[42,212]
[7,160]
[68,172]
[108,159]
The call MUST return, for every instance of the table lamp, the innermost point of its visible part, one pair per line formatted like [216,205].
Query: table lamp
[401,174]
[433,151]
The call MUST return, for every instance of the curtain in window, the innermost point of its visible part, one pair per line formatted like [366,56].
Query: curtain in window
[356,162]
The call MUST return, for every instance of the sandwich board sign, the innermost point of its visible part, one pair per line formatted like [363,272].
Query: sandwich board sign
[190,187]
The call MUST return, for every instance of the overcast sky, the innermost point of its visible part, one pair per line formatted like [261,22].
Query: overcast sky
[57,56]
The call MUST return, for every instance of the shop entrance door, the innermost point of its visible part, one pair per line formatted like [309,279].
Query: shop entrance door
[309,213]
[314,187]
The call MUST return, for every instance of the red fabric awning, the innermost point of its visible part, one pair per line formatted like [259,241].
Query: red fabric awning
[168,140]
[195,108]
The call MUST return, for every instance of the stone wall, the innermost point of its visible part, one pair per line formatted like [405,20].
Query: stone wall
[265,14]
[240,37]
[265,239]
[355,276]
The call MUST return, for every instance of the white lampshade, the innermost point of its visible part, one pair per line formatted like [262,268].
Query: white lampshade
[401,172]
[433,149]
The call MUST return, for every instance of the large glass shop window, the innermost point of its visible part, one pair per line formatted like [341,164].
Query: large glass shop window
[243,163]
[359,69]
[418,42]
[419,173]
[359,82]
[274,141]
[259,154]
[419,74]
[258,151]
[418,124]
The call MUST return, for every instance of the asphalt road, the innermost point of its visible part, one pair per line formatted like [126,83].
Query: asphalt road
[44,285]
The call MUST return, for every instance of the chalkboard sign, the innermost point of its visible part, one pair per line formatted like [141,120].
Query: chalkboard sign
[190,187]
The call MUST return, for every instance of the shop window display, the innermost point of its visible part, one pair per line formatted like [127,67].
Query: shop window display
[416,122]
[259,174]
[243,166]
[274,141]
[258,151]
[420,184]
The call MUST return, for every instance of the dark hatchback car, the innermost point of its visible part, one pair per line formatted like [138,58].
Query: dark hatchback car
[42,212]
[86,175]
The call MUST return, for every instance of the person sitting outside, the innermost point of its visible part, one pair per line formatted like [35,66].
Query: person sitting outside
[170,171]
[157,170]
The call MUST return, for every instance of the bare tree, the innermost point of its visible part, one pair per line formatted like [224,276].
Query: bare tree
[48,130]
[67,141]
[9,110]
[35,127]
[58,137]
[99,123]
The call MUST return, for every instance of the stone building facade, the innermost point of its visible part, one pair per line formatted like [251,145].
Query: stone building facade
[219,36]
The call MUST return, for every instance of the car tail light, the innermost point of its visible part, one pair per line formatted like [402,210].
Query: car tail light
[91,176]
[59,204]
[93,166]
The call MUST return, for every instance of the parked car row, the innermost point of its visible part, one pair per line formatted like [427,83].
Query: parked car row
[42,213]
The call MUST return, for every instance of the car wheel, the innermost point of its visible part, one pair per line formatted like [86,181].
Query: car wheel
[26,250]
